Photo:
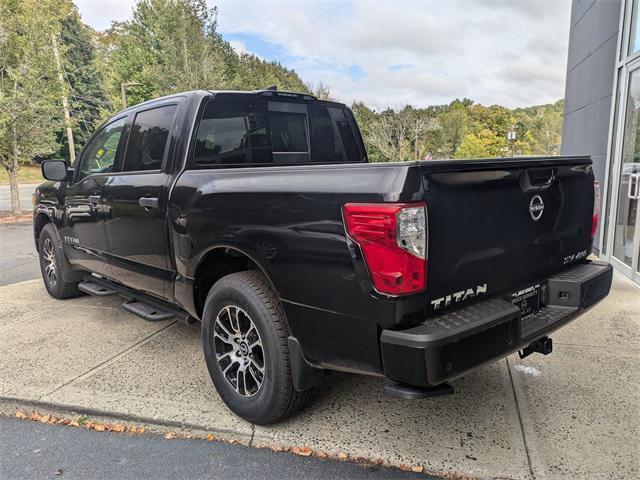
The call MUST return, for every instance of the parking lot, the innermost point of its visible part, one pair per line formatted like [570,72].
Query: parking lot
[575,413]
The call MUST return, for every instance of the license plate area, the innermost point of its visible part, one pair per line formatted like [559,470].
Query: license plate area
[528,300]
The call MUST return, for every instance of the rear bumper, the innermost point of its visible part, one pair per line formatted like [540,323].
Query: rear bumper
[446,346]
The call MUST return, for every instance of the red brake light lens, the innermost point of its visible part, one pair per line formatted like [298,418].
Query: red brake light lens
[596,209]
[393,240]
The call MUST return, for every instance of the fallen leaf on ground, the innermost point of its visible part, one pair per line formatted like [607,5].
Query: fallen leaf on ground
[302,451]
[342,456]
[210,437]
[99,427]
[21,414]
[118,428]
[73,423]
[170,435]
[417,469]
[44,418]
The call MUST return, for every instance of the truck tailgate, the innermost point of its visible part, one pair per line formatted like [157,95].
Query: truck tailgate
[500,225]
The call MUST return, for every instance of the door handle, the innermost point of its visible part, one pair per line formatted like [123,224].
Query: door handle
[148,202]
[632,192]
[95,199]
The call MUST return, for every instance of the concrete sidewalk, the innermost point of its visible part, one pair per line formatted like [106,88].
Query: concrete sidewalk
[575,413]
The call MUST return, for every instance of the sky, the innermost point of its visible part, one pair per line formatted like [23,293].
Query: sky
[393,53]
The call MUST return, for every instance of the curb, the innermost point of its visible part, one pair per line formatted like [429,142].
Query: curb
[10,219]
[17,403]
[9,405]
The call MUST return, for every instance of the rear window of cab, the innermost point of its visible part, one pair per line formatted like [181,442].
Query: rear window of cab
[237,131]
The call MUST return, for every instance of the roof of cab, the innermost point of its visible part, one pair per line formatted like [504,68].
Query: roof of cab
[268,93]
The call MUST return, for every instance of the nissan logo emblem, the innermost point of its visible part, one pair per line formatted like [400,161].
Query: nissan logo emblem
[536,208]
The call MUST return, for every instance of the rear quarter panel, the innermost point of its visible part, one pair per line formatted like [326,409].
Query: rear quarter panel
[289,220]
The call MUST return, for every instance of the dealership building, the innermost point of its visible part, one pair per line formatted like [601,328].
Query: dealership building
[602,119]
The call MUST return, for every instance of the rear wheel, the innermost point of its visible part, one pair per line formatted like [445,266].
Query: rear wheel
[52,264]
[244,333]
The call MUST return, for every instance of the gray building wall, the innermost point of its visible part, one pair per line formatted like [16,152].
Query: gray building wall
[591,67]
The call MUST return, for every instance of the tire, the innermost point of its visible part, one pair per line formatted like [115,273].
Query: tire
[53,263]
[245,300]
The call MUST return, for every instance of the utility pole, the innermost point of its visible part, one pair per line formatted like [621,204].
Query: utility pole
[65,100]
[123,91]
[511,136]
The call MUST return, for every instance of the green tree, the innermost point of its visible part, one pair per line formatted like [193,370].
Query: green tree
[87,99]
[455,124]
[168,46]
[29,109]
[171,46]
[483,144]
[495,118]
[253,73]
[472,146]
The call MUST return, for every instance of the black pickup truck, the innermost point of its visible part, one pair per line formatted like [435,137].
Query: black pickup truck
[257,214]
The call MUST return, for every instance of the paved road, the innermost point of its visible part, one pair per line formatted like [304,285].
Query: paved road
[18,257]
[25,197]
[33,451]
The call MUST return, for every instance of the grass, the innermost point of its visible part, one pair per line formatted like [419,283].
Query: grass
[26,174]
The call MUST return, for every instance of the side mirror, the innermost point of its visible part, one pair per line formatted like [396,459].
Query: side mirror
[55,170]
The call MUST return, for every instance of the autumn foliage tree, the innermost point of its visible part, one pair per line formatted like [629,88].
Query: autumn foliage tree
[461,129]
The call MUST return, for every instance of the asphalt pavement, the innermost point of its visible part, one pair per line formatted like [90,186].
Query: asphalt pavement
[32,451]
[25,197]
[18,257]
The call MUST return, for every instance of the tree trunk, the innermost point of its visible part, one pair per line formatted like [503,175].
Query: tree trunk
[65,101]
[12,167]
[15,191]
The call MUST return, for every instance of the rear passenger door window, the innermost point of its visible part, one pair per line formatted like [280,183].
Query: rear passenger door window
[232,133]
[148,139]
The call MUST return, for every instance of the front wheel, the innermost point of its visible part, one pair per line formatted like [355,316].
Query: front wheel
[244,333]
[52,263]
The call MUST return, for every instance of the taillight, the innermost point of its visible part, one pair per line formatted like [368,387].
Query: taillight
[596,209]
[393,240]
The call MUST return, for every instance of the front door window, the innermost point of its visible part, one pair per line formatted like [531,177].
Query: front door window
[100,155]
